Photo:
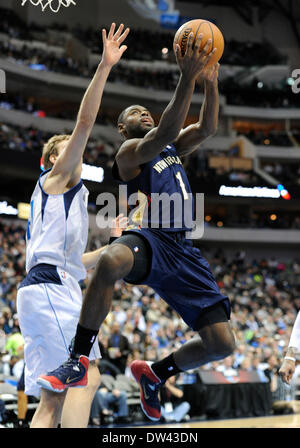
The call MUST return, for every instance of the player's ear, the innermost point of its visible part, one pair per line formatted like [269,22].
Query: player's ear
[121,129]
[52,158]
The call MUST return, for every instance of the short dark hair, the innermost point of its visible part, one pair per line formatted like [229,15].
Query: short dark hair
[121,116]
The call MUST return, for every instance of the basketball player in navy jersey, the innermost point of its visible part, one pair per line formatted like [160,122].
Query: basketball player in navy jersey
[149,162]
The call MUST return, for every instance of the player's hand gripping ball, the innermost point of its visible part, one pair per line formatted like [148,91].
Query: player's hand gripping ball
[208,30]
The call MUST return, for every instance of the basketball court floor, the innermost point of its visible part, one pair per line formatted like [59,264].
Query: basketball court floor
[277,421]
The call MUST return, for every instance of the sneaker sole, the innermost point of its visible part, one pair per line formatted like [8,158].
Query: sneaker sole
[154,419]
[151,418]
[47,385]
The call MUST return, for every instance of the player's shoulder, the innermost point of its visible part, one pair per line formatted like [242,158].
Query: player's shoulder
[125,153]
[128,144]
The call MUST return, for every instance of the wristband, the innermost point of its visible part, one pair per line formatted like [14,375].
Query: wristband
[290,358]
[112,239]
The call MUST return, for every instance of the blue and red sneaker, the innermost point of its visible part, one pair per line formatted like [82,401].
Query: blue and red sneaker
[73,373]
[149,385]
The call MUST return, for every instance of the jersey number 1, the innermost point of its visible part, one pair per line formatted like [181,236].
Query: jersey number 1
[182,185]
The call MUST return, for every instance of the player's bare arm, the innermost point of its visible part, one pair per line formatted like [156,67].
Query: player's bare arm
[135,152]
[287,368]
[90,259]
[192,136]
[67,169]
[288,365]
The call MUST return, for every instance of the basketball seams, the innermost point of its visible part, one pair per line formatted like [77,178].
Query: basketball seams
[212,33]
[212,36]
[195,38]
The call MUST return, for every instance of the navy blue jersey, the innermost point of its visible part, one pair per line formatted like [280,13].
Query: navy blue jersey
[160,196]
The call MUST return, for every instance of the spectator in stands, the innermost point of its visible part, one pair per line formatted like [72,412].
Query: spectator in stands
[15,343]
[105,365]
[104,403]
[173,406]
[118,347]
[4,285]
[137,343]
[226,367]
[3,414]
[239,355]
[255,368]
[8,321]
[271,372]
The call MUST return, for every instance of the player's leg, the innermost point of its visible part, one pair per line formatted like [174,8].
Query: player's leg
[216,342]
[77,405]
[125,256]
[48,412]
[36,324]
[115,262]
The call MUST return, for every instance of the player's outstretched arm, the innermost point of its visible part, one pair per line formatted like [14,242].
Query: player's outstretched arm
[135,152]
[68,164]
[90,259]
[192,136]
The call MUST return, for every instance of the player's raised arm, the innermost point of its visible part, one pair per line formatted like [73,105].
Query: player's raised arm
[135,152]
[192,136]
[68,164]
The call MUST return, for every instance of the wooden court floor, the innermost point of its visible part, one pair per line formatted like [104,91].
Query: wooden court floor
[277,421]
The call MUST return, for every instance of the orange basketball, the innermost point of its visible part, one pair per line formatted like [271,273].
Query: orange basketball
[209,31]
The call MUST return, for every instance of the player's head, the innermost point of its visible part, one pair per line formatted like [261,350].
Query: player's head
[135,122]
[53,148]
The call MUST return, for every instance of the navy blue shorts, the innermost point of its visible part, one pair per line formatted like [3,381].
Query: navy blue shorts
[179,274]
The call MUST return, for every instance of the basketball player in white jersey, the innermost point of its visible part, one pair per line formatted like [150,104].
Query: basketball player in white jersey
[49,299]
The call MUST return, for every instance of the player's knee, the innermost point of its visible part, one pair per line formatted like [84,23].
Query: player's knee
[114,263]
[225,347]
[94,377]
[219,347]
[52,402]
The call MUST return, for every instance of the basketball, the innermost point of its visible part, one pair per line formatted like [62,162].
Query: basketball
[209,31]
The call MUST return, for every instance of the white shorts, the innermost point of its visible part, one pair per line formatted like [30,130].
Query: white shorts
[48,316]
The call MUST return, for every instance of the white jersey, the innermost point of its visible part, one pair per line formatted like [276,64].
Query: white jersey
[57,230]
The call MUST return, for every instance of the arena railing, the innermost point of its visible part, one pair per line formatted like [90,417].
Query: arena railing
[49,124]
[55,80]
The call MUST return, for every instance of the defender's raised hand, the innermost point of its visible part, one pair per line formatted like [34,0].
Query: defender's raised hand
[194,61]
[112,48]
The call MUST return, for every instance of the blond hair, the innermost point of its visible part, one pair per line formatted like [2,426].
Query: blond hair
[51,148]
